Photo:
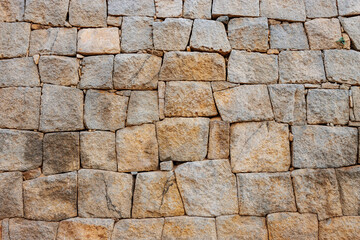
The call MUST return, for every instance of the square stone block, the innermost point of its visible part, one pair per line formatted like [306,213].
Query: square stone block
[22,229]
[47,12]
[235,8]
[96,72]
[352,28]
[288,36]
[136,34]
[323,33]
[197,9]
[321,8]
[84,13]
[14,40]
[93,41]
[349,181]
[12,10]
[287,10]
[150,228]
[11,198]
[143,108]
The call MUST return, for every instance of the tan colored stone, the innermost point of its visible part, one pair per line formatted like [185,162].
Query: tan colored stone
[143,108]
[138,229]
[352,27]
[219,140]
[288,10]
[11,11]
[222,85]
[349,181]
[96,72]
[19,72]
[166,166]
[136,33]
[323,33]
[14,39]
[83,13]
[4,229]
[115,21]
[131,7]
[355,93]
[46,12]
[22,229]
[98,41]
[168,8]
[235,8]
[31,174]
[197,9]
[11,198]
[346,228]
[321,8]
[288,36]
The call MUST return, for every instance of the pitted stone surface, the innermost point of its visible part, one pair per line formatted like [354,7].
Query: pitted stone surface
[11,198]
[288,36]
[143,108]
[12,10]
[235,8]
[349,7]
[131,7]
[22,229]
[19,72]
[96,72]
[219,140]
[321,8]
[340,228]
[352,27]
[168,8]
[136,34]
[287,10]
[137,229]
[14,39]
[47,12]
[197,9]
[83,13]
[323,33]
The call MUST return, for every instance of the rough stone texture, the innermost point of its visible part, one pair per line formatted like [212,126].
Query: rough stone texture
[115,21]
[59,70]
[328,106]
[241,227]
[222,85]
[197,9]
[22,229]
[209,35]
[31,174]
[189,99]
[96,72]
[352,27]
[189,228]
[193,66]
[46,12]
[98,41]
[57,41]
[263,193]
[317,192]
[236,8]
[323,33]
[321,8]
[136,71]
[19,72]
[143,108]
[247,67]
[292,226]
[244,103]
[136,34]
[131,7]
[51,198]
[166,166]
[208,188]
[183,139]
[11,198]
[20,107]
[20,150]
[355,92]
[61,153]
[138,229]
[301,67]
[156,194]
[349,180]
[288,36]
[168,8]
[137,148]
[219,140]
[323,147]
[340,228]
[14,39]
[110,192]
[260,147]
[349,7]
[249,33]
[104,110]
[288,102]
[98,150]
[172,34]
[288,10]
[85,13]
[61,109]
[343,66]
[11,11]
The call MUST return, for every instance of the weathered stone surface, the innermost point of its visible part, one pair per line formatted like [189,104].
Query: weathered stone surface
[323,33]
[172,34]
[46,12]
[156,194]
[14,39]
[355,93]
[20,150]
[85,13]
[115,21]
[264,193]
[301,67]
[110,192]
[288,102]
[61,109]
[222,85]
[260,147]
[4,229]
[22,229]
[197,9]
[317,191]
[340,228]
[183,139]
[136,34]
[104,110]
[219,140]
[288,36]
[320,8]
[31,174]
[323,147]
[98,41]
[247,67]
[168,8]
[138,229]
[166,166]
[51,198]
[137,148]
[292,226]
[342,66]
[131,7]
[59,70]
[249,33]
[11,11]
[98,150]
[57,41]
[61,152]
[349,7]
[96,72]
[288,10]
[241,227]
[11,198]
[189,228]
[19,72]
[349,180]
[352,27]
[235,8]
[244,103]
[20,108]
[328,106]
[143,108]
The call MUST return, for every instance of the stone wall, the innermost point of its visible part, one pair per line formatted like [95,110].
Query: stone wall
[179,119]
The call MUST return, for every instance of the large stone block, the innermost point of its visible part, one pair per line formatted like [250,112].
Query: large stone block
[288,10]
[22,229]
[131,7]
[19,72]
[235,8]
[168,8]
[83,13]
[346,228]
[321,8]
[208,188]
[14,39]
[197,9]
[11,198]
[137,229]
[323,33]
[46,12]
[12,10]
[98,41]
[136,34]
[349,7]
[352,28]
[288,36]
[349,181]
[96,72]
[143,108]
[219,140]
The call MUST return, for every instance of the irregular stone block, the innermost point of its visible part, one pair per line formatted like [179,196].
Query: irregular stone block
[46,12]
[96,72]
[20,150]
[323,33]
[197,9]
[143,108]
[14,40]
[249,33]
[115,21]
[136,34]
[61,109]
[104,110]
[222,85]
[110,192]
[247,67]
[352,27]
[172,34]
[288,36]
[340,228]
[324,147]
[83,13]
[131,7]
[11,198]
[51,198]
[19,72]
[136,71]
[219,140]
[292,226]
[12,10]
[166,166]
[98,41]
[235,8]
[22,229]
[244,103]
[349,180]
[355,93]
[137,229]
[137,149]
[301,67]
[349,7]
[321,8]
[288,10]
[264,193]
[183,139]
[168,8]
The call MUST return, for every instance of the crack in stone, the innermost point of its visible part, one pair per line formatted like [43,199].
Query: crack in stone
[109,202]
